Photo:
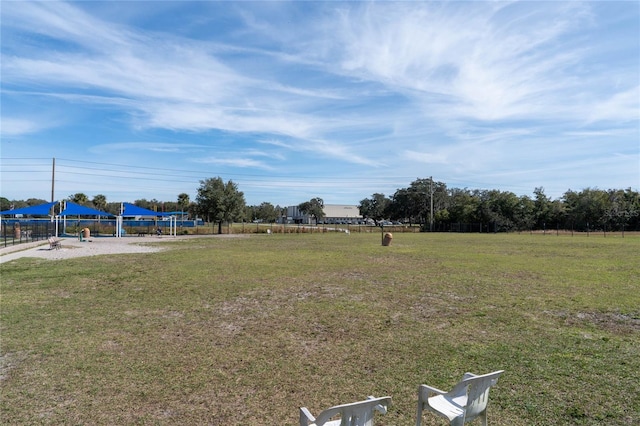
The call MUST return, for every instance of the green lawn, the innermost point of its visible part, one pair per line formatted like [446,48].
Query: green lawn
[244,331]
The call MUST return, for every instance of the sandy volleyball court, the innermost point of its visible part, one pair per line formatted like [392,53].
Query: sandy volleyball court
[72,247]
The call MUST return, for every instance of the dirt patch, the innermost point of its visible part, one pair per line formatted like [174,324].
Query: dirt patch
[9,361]
[610,321]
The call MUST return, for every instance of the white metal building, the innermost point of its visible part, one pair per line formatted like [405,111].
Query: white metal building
[333,214]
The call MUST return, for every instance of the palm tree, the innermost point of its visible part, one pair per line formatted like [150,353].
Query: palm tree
[183,202]
[100,202]
[79,198]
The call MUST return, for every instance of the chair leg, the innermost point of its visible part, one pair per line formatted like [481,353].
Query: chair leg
[483,417]
[419,415]
[458,421]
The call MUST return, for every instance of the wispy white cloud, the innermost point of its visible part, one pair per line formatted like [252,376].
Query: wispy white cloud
[172,84]
[144,146]
[618,106]
[278,156]
[62,21]
[487,64]
[234,162]
[20,126]
[606,132]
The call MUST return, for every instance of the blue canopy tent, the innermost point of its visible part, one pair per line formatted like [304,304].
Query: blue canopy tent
[131,210]
[32,228]
[72,209]
[40,210]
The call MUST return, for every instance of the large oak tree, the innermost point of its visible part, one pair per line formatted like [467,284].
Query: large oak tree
[219,201]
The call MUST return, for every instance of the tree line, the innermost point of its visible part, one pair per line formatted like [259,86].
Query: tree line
[436,207]
[425,202]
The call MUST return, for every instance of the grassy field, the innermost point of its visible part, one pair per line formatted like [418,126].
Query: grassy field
[243,331]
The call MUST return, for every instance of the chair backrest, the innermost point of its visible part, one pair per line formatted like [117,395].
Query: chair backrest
[356,413]
[478,392]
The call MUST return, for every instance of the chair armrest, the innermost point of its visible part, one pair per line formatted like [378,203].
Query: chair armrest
[305,417]
[468,375]
[431,389]
[380,408]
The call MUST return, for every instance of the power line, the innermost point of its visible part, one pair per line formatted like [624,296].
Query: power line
[190,173]
[135,175]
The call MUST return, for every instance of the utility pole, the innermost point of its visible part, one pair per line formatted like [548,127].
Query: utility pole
[52,212]
[431,215]
[53,179]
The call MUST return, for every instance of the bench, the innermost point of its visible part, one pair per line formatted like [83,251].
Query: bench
[142,233]
[54,243]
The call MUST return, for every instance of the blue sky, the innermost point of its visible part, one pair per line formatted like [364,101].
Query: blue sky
[338,100]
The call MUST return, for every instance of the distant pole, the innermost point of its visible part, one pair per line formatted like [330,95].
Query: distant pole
[53,179]
[431,216]
[52,212]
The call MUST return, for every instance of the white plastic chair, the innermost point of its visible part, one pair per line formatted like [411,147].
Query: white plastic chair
[354,414]
[465,402]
